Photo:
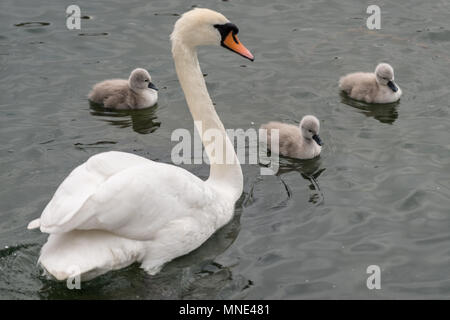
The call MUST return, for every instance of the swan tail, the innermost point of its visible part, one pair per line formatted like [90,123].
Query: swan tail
[36,223]
[87,254]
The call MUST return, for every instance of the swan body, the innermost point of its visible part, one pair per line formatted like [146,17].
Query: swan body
[119,208]
[377,87]
[135,93]
[301,142]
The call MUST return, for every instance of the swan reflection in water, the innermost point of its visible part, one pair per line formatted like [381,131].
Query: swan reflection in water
[309,170]
[142,121]
[385,112]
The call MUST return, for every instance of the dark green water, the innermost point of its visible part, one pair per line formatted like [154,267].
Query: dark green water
[379,194]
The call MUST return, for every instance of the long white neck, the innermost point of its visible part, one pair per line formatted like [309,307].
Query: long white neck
[225,169]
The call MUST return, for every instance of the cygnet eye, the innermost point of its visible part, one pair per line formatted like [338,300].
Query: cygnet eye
[146,80]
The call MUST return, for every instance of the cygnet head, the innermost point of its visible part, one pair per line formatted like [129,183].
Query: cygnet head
[140,80]
[200,27]
[310,127]
[385,76]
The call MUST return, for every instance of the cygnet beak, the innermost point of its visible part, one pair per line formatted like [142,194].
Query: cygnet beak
[317,139]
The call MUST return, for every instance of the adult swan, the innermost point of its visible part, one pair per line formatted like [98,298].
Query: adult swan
[118,208]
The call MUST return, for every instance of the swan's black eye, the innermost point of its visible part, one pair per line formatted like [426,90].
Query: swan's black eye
[225,29]
[146,80]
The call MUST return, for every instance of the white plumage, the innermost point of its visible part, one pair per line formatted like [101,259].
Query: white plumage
[118,208]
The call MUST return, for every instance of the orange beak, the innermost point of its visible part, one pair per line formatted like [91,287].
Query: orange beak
[232,42]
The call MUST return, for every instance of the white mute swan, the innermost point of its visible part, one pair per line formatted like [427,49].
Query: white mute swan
[118,208]
[135,93]
[301,142]
[378,87]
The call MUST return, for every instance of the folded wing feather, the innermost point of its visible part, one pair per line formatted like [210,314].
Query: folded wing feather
[91,197]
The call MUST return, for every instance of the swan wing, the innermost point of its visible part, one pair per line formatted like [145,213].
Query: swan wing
[129,196]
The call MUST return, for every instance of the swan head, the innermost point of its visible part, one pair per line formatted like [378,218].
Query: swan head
[385,76]
[310,127]
[202,27]
[140,79]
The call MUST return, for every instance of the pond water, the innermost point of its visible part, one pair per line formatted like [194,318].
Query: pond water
[378,195]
